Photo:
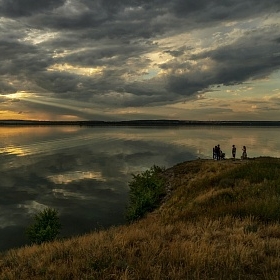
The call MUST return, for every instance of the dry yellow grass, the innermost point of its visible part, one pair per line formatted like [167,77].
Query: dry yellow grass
[169,243]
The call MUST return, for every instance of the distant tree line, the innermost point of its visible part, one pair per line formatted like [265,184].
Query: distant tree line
[140,123]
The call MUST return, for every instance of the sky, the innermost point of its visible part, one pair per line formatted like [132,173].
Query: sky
[140,59]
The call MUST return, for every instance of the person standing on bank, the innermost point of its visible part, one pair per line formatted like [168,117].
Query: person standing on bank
[215,152]
[233,151]
[244,152]
[218,152]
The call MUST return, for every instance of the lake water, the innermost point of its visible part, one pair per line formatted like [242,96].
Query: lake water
[83,172]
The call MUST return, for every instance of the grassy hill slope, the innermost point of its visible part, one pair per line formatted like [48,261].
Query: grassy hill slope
[220,220]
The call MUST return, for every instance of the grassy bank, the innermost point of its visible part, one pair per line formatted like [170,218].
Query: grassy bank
[220,220]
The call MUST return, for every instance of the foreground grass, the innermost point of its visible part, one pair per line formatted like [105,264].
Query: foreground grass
[220,221]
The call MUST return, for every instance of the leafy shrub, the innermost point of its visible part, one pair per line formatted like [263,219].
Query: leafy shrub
[146,191]
[45,228]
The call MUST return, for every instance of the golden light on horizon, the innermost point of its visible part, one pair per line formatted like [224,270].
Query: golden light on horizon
[16,95]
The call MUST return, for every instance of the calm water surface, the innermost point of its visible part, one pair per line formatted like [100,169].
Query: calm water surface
[84,172]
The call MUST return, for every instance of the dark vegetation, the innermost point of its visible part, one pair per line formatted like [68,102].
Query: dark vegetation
[141,123]
[45,228]
[146,191]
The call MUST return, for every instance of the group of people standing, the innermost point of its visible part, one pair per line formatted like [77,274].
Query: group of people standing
[218,153]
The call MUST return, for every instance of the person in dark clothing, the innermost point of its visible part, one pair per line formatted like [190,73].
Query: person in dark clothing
[218,152]
[233,151]
[214,152]
[244,152]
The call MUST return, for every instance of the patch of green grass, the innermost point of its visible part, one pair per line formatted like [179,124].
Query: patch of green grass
[249,189]
[256,171]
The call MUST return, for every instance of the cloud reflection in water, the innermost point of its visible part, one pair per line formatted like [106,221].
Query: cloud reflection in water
[84,172]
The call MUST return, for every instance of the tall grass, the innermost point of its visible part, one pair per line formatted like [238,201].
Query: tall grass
[248,189]
[220,222]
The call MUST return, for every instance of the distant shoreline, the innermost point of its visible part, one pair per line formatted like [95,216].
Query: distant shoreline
[139,123]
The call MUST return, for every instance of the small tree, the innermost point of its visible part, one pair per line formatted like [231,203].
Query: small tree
[45,228]
[146,191]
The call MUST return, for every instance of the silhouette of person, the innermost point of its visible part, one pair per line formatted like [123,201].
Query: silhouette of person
[244,152]
[214,152]
[218,152]
[233,151]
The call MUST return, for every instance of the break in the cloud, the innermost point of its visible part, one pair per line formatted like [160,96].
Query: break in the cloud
[105,59]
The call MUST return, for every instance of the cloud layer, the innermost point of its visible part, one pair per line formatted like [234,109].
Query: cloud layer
[120,54]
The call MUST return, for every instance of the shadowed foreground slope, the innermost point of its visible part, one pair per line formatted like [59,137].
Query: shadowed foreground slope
[220,220]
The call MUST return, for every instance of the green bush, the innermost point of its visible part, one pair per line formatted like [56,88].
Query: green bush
[45,228]
[145,193]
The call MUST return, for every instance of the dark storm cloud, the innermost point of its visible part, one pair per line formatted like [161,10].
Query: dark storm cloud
[20,58]
[254,55]
[208,11]
[19,8]
[6,88]
[58,82]
[117,36]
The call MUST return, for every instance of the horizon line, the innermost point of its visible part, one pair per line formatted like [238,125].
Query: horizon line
[140,122]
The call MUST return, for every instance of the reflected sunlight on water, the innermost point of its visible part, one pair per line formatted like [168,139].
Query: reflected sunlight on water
[13,150]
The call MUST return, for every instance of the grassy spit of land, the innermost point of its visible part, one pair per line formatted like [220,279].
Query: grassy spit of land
[220,220]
